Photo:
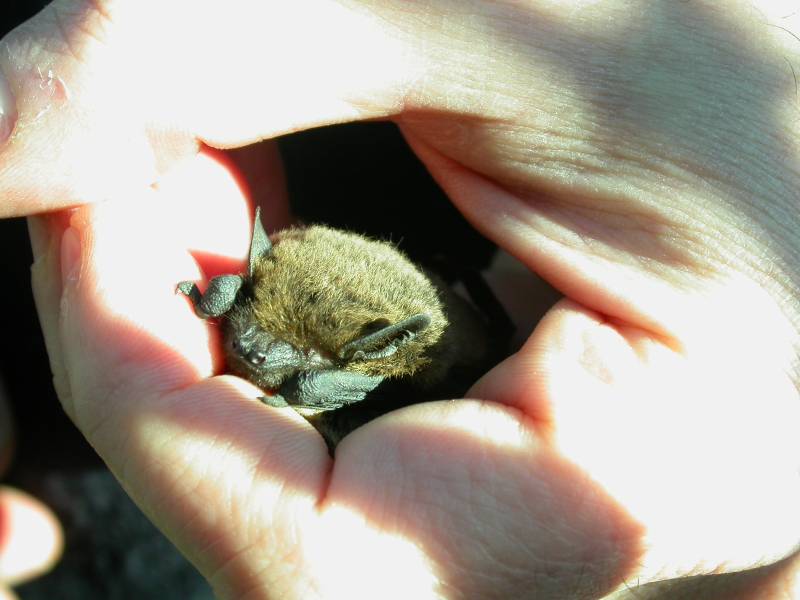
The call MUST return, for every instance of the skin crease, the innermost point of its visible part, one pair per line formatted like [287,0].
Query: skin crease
[639,156]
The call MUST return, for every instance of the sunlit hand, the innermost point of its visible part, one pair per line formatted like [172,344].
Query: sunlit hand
[641,157]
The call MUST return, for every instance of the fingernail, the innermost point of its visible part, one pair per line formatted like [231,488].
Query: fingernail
[8,110]
[70,255]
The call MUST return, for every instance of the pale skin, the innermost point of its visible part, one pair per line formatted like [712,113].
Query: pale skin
[640,156]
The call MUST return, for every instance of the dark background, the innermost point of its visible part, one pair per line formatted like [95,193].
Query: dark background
[361,177]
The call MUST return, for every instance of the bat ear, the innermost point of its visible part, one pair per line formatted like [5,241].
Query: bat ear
[260,246]
[387,340]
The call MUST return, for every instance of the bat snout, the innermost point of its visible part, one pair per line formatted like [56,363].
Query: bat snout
[255,357]
[261,353]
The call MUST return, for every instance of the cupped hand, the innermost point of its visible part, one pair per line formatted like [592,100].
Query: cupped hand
[638,156]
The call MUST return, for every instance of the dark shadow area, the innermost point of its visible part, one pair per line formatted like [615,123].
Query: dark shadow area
[362,177]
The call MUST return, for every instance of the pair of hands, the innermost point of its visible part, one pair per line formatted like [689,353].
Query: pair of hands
[640,156]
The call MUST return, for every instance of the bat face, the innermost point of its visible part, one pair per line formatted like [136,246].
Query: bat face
[254,353]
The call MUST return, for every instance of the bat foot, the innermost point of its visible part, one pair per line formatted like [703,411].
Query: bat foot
[218,299]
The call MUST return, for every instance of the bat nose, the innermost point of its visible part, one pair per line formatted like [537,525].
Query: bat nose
[264,353]
[255,357]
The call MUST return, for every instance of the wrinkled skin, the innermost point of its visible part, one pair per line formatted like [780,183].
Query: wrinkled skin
[640,156]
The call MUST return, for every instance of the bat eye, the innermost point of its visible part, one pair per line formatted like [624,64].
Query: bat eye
[254,357]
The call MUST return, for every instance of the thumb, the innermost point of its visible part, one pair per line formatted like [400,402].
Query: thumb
[101,97]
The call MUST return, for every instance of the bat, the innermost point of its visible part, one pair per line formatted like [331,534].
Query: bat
[343,328]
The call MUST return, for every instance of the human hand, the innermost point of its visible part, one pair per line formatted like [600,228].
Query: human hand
[642,161]
[30,536]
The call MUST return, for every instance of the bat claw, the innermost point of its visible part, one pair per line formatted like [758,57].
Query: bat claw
[191,291]
[276,401]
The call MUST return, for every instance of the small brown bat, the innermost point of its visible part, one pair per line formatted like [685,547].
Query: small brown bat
[343,328]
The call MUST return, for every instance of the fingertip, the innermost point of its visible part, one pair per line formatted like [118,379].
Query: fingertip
[31,539]
[207,207]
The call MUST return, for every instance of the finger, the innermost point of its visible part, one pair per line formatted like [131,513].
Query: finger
[262,172]
[254,172]
[524,297]
[212,466]
[31,540]
[126,263]
[614,401]
[491,510]
[191,195]
[46,232]
[642,235]
[73,68]
[6,594]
